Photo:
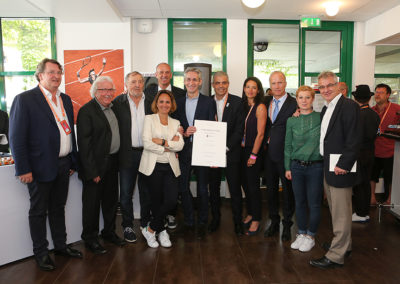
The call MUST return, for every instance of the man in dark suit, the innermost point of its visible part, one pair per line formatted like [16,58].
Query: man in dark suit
[193,106]
[229,110]
[280,107]
[42,141]
[130,110]
[164,76]
[4,131]
[99,142]
[340,136]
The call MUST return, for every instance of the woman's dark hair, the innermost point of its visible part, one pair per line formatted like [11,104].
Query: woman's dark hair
[260,92]
[154,108]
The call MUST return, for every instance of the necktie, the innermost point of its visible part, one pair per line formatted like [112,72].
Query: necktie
[276,110]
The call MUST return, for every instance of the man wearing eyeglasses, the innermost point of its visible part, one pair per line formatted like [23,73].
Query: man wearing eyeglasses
[339,144]
[131,109]
[99,143]
[42,141]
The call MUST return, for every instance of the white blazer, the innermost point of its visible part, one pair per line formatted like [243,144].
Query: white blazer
[152,129]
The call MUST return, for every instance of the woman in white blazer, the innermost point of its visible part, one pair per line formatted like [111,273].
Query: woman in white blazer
[160,164]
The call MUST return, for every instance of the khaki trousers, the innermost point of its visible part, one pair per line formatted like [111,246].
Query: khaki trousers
[339,200]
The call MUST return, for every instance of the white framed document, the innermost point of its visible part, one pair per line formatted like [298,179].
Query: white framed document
[333,160]
[209,144]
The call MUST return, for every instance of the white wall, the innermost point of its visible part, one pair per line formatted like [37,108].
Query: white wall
[383,26]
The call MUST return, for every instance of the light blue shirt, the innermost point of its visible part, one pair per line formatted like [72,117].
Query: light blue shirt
[281,102]
[190,106]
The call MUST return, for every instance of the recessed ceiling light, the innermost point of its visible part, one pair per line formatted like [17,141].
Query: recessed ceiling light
[332,8]
[253,3]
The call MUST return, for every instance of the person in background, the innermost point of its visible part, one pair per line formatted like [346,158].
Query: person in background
[42,140]
[99,143]
[253,135]
[389,114]
[160,165]
[4,131]
[369,121]
[304,167]
[343,88]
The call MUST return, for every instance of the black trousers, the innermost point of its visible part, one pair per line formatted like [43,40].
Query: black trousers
[273,172]
[250,180]
[49,198]
[232,172]
[104,194]
[385,165]
[163,187]
[362,191]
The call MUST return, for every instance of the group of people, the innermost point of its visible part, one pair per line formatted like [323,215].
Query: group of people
[146,135]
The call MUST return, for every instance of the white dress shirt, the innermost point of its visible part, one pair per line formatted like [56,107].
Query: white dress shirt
[169,88]
[65,140]
[137,121]
[330,107]
[220,106]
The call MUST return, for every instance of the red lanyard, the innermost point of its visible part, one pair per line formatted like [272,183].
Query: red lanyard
[384,115]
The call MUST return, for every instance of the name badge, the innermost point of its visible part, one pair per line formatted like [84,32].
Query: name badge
[65,126]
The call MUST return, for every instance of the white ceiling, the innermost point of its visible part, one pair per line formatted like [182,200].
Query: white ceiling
[116,10]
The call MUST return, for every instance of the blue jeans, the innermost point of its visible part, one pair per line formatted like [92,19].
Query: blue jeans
[307,183]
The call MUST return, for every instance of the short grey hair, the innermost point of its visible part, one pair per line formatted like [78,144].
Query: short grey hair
[220,73]
[192,69]
[327,74]
[100,79]
[133,73]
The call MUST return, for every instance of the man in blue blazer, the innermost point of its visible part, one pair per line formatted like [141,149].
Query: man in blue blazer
[340,137]
[42,141]
[191,107]
[280,107]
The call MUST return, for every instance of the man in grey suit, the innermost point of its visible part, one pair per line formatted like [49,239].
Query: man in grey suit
[340,135]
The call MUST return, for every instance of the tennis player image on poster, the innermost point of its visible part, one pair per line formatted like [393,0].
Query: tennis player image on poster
[82,67]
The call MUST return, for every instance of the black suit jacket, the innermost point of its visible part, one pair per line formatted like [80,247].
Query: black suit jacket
[94,140]
[342,137]
[35,137]
[233,115]
[4,129]
[276,131]
[205,110]
[123,112]
[151,91]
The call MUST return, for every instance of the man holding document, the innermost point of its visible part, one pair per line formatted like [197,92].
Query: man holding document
[194,106]
[339,136]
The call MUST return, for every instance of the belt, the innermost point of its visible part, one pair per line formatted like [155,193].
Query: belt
[137,148]
[308,163]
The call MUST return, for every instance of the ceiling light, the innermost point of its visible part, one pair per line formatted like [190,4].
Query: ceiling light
[253,3]
[196,58]
[332,8]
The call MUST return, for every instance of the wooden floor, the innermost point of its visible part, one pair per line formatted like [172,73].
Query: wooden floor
[224,258]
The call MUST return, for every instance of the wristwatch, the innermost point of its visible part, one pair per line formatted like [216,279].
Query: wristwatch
[163,142]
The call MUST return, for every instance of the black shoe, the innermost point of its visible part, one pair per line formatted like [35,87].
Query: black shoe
[326,247]
[214,225]
[201,232]
[69,252]
[286,234]
[114,239]
[324,262]
[129,235]
[239,230]
[45,263]
[247,225]
[272,230]
[95,247]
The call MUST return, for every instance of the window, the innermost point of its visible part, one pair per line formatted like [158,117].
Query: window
[23,43]
[301,53]
[196,40]
[387,69]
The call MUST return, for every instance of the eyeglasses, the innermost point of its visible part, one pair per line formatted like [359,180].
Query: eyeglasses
[106,90]
[52,73]
[329,86]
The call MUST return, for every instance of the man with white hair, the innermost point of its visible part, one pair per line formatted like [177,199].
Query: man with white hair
[98,143]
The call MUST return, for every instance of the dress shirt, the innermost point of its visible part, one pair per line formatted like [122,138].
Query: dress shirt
[65,140]
[190,106]
[280,104]
[137,121]
[220,106]
[169,88]
[330,107]
[112,120]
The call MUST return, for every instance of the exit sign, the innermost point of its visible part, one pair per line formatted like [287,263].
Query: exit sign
[310,22]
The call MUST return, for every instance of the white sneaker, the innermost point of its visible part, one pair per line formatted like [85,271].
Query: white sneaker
[150,237]
[356,218]
[163,238]
[299,240]
[307,244]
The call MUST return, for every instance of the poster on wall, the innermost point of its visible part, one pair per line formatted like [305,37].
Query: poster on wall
[82,67]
